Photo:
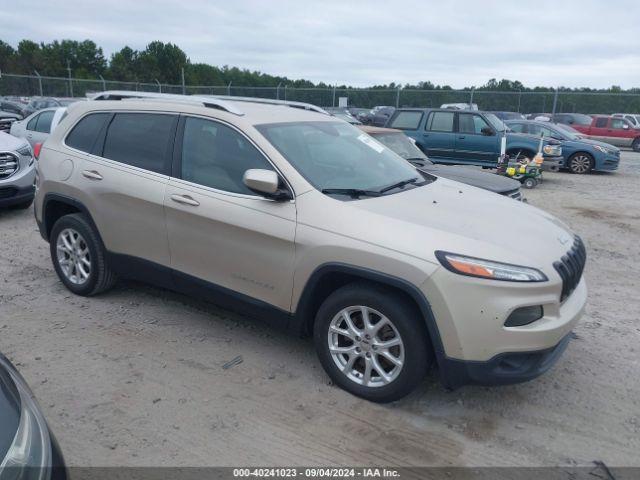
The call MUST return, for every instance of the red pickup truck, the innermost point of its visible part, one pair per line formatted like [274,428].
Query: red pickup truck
[613,130]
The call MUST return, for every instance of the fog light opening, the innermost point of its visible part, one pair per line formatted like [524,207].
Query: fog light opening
[524,316]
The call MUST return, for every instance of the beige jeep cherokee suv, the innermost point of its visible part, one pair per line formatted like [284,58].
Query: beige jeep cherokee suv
[288,214]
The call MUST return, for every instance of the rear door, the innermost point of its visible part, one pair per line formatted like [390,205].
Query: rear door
[438,138]
[123,182]
[471,144]
[219,231]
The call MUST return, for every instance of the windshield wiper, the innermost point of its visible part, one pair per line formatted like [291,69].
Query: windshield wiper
[398,185]
[352,192]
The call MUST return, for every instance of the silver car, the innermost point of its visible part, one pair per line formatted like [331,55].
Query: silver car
[17,172]
[37,127]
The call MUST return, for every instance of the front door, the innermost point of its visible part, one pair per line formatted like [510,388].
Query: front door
[473,143]
[221,234]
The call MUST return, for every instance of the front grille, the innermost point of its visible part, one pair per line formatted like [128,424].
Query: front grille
[570,267]
[5,124]
[7,192]
[515,194]
[8,165]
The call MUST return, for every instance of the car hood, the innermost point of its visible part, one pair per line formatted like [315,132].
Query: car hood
[470,176]
[589,141]
[9,143]
[444,215]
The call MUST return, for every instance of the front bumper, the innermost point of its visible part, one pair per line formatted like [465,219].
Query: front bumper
[12,195]
[607,163]
[552,164]
[503,369]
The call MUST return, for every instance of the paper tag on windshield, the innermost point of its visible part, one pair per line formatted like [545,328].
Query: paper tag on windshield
[370,142]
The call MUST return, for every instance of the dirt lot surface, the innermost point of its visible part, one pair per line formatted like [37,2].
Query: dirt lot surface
[135,377]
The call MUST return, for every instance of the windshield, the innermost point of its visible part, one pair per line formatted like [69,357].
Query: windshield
[337,155]
[401,144]
[495,122]
[569,131]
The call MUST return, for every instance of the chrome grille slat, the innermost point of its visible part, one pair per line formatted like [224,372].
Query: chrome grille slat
[571,266]
[8,164]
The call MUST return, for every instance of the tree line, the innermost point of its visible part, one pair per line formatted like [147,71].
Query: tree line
[164,62]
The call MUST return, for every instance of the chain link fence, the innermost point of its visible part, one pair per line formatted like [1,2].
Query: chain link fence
[524,102]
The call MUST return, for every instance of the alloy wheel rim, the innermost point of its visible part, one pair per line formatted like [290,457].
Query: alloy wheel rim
[74,257]
[366,346]
[581,164]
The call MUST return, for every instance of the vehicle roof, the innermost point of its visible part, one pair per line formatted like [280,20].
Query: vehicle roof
[372,129]
[255,113]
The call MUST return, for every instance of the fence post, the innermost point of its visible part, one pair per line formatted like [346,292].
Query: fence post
[278,91]
[555,101]
[39,81]
[184,89]
[471,97]
[160,86]
[104,84]
[398,96]
[519,95]
[285,93]
[70,80]
[333,99]
[229,89]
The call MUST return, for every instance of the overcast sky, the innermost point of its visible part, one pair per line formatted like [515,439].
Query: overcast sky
[459,43]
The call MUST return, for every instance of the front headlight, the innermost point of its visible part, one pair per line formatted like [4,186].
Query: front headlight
[25,151]
[477,267]
[552,150]
[600,148]
[29,457]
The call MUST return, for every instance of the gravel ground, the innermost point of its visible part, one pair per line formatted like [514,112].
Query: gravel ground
[134,377]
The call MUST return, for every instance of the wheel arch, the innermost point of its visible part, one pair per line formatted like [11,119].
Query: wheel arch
[525,149]
[328,277]
[56,206]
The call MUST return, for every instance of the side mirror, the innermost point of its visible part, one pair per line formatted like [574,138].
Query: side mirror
[486,131]
[266,183]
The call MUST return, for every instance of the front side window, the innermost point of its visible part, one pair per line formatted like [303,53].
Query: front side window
[217,156]
[84,134]
[619,123]
[406,120]
[440,122]
[140,139]
[517,127]
[44,121]
[470,123]
[334,155]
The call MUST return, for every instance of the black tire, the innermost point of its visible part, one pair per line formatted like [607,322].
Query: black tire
[22,205]
[101,277]
[636,145]
[519,155]
[577,163]
[529,182]
[406,319]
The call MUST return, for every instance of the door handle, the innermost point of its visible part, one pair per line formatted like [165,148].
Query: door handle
[92,174]
[461,137]
[185,200]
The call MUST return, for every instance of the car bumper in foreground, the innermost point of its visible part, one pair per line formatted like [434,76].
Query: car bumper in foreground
[12,195]
[608,163]
[503,369]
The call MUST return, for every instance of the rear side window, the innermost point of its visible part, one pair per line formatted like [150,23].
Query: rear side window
[141,140]
[517,127]
[44,121]
[32,123]
[86,131]
[406,120]
[601,122]
[440,121]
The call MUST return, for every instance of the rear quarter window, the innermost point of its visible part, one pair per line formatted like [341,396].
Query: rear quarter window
[406,120]
[85,133]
